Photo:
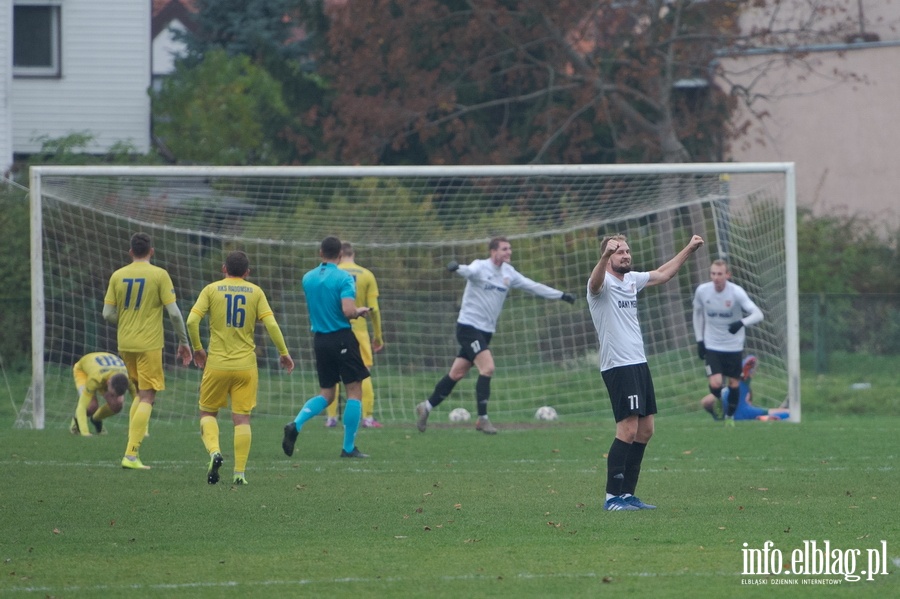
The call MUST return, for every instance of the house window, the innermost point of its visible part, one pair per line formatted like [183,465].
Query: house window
[36,34]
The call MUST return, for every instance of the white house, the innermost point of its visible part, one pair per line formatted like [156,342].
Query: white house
[73,66]
[6,46]
[170,17]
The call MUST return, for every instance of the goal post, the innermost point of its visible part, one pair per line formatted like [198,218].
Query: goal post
[406,223]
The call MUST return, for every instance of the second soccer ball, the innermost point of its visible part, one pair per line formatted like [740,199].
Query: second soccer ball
[460,415]
[545,413]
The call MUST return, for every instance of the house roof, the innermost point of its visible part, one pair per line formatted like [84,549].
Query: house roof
[161,5]
[164,12]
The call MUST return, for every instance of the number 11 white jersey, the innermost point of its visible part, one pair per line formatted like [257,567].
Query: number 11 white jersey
[615,315]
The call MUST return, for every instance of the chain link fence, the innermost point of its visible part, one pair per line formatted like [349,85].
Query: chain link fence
[854,323]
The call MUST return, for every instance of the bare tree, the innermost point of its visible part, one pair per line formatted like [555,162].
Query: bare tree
[506,81]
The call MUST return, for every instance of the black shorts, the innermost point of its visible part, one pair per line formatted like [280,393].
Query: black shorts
[726,363]
[338,358]
[630,390]
[471,341]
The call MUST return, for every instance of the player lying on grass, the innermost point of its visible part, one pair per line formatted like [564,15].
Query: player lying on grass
[745,408]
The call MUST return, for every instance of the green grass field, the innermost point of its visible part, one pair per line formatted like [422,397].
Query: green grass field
[447,513]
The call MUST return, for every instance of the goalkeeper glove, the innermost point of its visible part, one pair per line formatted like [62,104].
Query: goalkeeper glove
[735,326]
[701,350]
[568,297]
[453,266]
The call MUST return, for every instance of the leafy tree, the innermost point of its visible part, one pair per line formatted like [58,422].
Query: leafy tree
[849,270]
[539,81]
[225,110]
[15,301]
[262,30]
[846,255]
[277,36]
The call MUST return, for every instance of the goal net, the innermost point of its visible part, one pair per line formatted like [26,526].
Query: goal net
[406,223]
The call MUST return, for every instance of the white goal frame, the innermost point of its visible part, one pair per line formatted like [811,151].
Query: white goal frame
[786,169]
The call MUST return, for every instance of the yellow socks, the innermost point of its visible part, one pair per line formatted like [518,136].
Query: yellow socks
[102,413]
[368,398]
[242,439]
[134,407]
[137,427]
[209,432]
[81,415]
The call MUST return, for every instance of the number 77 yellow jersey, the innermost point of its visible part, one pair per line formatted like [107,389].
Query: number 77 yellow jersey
[140,291]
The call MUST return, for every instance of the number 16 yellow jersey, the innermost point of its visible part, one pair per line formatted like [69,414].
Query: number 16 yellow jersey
[234,306]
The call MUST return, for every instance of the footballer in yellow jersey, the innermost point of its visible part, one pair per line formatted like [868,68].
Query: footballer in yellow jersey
[366,295]
[100,373]
[234,306]
[135,299]
[139,293]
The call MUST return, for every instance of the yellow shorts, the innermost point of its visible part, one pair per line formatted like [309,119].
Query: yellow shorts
[217,385]
[146,368]
[365,347]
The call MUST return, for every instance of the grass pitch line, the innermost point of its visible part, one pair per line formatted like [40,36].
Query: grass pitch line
[234,584]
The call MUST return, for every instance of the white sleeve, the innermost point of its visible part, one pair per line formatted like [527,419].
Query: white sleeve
[177,321]
[699,317]
[754,314]
[520,281]
[110,313]
[468,271]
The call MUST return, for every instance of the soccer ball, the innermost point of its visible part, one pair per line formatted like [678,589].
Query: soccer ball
[460,415]
[545,413]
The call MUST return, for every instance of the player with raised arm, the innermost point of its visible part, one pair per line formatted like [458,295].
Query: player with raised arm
[488,282]
[100,373]
[135,300]
[234,306]
[722,311]
[612,292]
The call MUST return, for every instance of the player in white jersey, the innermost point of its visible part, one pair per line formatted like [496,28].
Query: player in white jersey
[488,282]
[722,310]
[612,298]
